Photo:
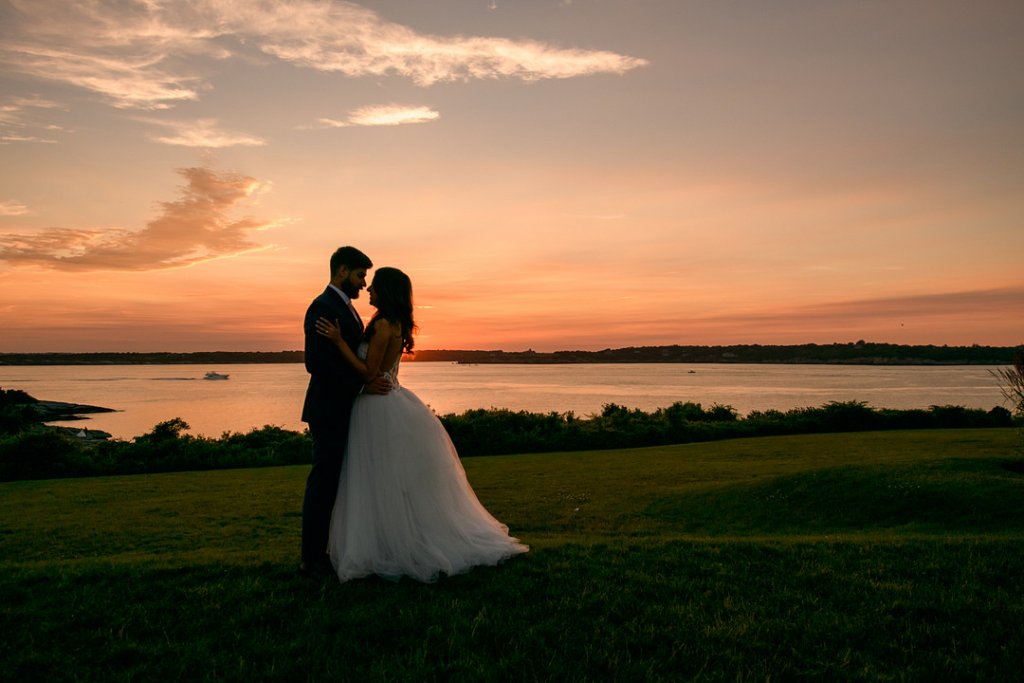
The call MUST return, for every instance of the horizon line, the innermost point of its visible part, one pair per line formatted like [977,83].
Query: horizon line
[531,350]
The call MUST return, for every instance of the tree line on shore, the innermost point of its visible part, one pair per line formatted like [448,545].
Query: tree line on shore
[31,450]
[852,353]
[859,352]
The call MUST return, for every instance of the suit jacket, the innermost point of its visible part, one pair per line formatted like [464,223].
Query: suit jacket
[333,382]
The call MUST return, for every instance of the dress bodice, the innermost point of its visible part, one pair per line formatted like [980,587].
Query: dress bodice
[391,374]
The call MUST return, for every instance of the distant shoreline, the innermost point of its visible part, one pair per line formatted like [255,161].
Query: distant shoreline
[859,353]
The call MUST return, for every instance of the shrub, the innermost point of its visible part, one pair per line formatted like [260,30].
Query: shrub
[1000,417]
[849,416]
[15,397]
[15,418]
[497,431]
[41,453]
[720,413]
[15,411]
[38,451]
[958,416]
[269,445]
[164,432]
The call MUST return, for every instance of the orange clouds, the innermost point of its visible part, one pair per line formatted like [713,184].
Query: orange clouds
[198,227]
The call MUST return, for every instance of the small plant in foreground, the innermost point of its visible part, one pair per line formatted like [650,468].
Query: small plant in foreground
[1011,382]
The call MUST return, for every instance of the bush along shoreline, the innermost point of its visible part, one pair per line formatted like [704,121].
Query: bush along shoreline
[30,449]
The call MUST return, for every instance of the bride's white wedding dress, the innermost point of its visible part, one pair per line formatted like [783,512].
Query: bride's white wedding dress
[404,506]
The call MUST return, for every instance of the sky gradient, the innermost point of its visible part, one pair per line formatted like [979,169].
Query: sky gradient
[551,174]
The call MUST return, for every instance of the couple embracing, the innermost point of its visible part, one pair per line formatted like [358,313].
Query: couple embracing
[387,494]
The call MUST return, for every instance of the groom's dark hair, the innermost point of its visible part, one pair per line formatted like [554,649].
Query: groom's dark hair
[349,257]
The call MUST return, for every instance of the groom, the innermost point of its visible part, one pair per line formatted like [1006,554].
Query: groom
[333,385]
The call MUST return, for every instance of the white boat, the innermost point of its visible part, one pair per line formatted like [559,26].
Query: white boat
[214,375]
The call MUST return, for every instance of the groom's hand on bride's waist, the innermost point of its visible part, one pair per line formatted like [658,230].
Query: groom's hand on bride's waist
[378,385]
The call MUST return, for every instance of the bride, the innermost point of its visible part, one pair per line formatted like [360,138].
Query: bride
[404,505]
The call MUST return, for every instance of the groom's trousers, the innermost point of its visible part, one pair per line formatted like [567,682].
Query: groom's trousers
[329,441]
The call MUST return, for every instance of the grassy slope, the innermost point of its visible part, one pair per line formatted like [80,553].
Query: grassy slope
[872,556]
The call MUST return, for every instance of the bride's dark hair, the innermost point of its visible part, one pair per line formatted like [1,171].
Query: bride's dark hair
[393,290]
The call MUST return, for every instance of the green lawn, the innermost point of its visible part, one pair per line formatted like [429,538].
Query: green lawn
[869,556]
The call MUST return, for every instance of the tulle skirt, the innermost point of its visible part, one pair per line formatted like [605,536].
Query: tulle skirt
[404,505]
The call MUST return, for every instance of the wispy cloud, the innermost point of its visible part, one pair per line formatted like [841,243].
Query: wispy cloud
[942,303]
[383,115]
[14,137]
[195,228]
[12,208]
[346,38]
[128,80]
[203,133]
[17,123]
[884,312]
[145,54]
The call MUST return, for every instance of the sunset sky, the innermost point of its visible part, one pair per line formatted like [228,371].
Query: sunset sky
[552,174]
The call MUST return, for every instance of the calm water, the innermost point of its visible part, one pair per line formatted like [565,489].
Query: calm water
[258,395]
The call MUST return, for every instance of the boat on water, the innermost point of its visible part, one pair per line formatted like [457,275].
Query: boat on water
[214,375]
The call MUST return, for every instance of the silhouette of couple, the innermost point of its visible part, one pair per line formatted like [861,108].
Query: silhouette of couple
[387,494]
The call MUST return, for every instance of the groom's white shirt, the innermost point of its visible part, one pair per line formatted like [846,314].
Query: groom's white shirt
[348,302]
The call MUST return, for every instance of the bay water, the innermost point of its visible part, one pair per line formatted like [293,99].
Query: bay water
[271,394]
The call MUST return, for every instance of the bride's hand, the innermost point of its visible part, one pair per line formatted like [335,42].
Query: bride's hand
[331,330]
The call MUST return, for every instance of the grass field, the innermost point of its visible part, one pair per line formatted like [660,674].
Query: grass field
[871,556]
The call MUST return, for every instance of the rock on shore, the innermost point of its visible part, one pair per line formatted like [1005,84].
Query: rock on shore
[48,411]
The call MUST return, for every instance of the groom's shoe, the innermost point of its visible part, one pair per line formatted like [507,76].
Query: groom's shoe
[316,570]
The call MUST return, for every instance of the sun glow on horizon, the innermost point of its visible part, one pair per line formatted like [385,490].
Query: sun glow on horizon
[553,176]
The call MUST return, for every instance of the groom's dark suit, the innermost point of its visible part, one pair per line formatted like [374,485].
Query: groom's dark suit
[333,385]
